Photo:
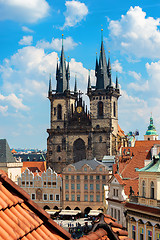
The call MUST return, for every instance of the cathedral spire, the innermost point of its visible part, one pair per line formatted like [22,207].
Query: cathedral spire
[101,70]
[68,75]
[50,86]
[75,86]
[117,84]
[109,72]
[89,81]
[61,77]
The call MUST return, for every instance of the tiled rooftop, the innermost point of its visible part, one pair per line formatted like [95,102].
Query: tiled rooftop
[21,218]
[107,228]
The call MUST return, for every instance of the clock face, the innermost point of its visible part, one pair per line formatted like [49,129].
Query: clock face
[79,109]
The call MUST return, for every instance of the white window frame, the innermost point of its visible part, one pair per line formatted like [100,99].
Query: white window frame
[44,195]
[33,194]
[50,197]
[56,197]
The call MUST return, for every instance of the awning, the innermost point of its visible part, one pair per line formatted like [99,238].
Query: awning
[70,212]
[52,211]
[94,212]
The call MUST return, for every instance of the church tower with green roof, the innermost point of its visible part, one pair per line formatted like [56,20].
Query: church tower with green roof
[151,133]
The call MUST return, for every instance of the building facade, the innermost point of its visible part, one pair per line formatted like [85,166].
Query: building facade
[143,216]
[74,133]
[44,188]
[83,185]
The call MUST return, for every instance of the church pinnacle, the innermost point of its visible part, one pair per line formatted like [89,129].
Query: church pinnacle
[62,73]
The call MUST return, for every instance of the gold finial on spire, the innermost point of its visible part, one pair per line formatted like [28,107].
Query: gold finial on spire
[101,34]
[62,37]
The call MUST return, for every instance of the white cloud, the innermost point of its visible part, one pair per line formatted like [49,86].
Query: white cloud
[116,66]
[23,11]
[135,75]
[140,87]
[3,110]
[56,44]
[153,71]
[75,13]
[14,101]
[26,40]
[26,29]
[137,34]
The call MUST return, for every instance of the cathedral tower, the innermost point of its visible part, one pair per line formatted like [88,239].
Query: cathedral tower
[104,108]
[74,133]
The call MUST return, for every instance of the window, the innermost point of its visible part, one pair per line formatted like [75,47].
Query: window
[91,198]
[85,169]
[116,192]
[63,143]
[59,112]
[78,198]
[45,197]
[73,197]
[57,197]
[152,190]
[91,177]
[143,189]
[54,111]
[51,197]
[50,153]
[49,184]
[72,177]
[85,186]
[59,158]
[100,139]
[149,235]
[54,184]
[91,186]
[72,186]
[86,198]
[114,109]
[103,177]
[58,148]
[66,177]
[133,232]
[115,213]
[45,184]
[97,187]
[85,177]
[78,186]
[100,109]
[119,217]
[33,196]
[23,183]
[97,177]
[69,169]
[112,212]
[67,197]
[97,198]
[78,177]
[141,234]
[67,186]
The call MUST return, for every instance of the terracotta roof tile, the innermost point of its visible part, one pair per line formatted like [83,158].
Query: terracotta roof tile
[106,228]
[21,218]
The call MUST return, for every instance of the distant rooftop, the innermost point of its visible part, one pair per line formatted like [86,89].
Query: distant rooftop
[92,163]
[5,152]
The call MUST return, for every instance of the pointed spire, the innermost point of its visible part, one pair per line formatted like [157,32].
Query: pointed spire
[50,86]
[117,84]
[68,75]
[57,69]
[89,80]
[97,66]
[75,86]
[101,68]
[61,74]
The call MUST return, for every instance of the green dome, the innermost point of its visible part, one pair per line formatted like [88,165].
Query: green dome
[151,128]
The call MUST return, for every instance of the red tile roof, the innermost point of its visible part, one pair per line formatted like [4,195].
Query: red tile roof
[40,165]
[21,218]
[120,132]
[132,158]
[107,228]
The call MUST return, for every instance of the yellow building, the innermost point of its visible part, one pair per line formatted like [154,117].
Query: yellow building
[83,185]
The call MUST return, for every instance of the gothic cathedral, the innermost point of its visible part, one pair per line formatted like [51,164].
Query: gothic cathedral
[76,134]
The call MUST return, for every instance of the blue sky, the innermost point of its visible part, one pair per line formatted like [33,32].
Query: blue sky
[30,41]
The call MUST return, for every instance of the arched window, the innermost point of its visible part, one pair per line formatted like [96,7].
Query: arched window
[114,109]
[58,148]
[100,139]
[100,109]
[59,112]
[64,143]
[59,158]
[152,190]
[72,109]
[143,189]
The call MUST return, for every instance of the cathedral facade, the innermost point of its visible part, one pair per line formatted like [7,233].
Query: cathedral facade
[75,133]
